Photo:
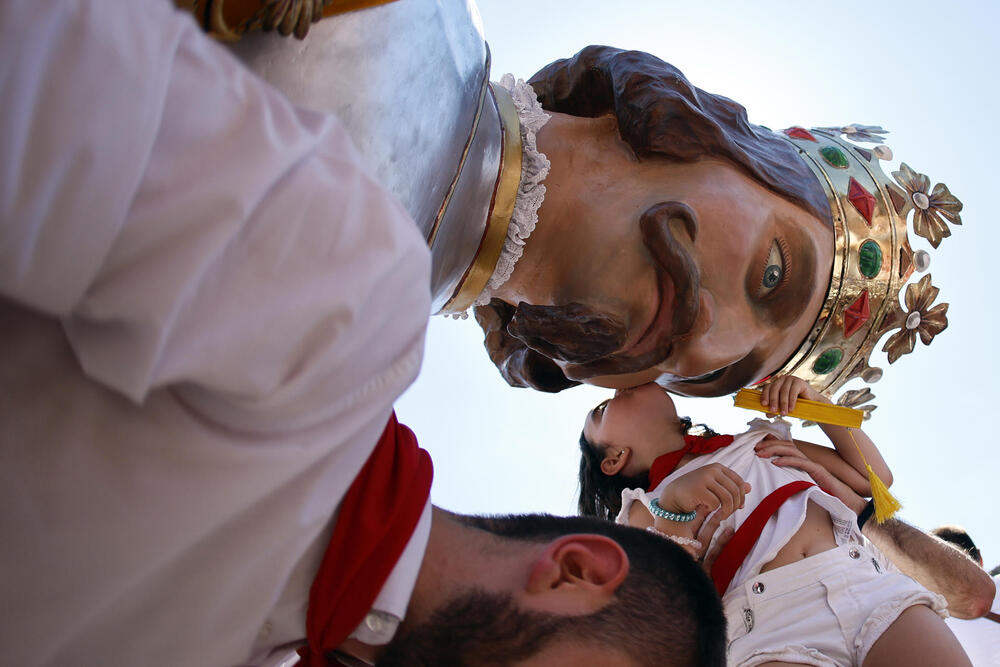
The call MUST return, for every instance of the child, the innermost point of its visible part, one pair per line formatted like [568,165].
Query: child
[799,583]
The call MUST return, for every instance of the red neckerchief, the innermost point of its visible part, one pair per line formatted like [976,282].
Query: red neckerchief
[693,444]
[377,517]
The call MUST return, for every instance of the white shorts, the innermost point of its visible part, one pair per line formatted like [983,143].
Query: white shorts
[825,610]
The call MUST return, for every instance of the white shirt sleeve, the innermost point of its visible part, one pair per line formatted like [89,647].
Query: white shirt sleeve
[630,496]
[190,227]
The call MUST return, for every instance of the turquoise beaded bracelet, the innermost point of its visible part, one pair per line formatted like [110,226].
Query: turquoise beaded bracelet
[656,510]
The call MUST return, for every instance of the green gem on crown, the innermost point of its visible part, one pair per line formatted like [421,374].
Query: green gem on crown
[834,157]
[869,259]
[828,361]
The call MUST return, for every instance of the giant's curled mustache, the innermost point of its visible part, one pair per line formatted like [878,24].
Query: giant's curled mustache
[587,340]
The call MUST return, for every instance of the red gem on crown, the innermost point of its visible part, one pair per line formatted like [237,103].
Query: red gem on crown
[856,315]
[800,133]
[862,200]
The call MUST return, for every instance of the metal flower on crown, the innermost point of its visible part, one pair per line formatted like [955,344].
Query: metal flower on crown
[919,319]
[873,259]
[929,209]
[872,134]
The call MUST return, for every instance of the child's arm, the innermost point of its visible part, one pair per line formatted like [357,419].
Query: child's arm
[832,473]
[713,486]
[780,396]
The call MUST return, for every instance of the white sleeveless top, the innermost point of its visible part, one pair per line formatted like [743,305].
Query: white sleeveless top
[764,477]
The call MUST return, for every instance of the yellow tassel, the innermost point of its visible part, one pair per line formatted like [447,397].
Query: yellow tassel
[886,504]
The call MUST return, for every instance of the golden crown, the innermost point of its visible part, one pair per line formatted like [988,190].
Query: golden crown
[873,259]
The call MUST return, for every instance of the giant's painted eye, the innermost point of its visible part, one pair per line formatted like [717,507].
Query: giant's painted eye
[774,270]
[772,276]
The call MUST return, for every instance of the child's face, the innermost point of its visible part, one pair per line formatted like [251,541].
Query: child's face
[634,428]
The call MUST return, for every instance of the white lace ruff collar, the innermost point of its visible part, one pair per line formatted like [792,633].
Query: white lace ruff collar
[530,192]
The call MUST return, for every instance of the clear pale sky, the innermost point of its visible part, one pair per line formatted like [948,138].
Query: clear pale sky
[925,71]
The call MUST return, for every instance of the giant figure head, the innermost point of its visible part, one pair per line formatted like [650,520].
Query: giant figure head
[676,243]
[696,248]
[680,244]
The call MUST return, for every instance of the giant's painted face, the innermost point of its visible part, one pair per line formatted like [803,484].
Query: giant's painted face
[691,275]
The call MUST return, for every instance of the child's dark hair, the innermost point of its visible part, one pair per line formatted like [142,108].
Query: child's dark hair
[600,494]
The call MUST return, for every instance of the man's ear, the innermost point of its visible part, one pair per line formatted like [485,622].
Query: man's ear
[614,460]
[576,575]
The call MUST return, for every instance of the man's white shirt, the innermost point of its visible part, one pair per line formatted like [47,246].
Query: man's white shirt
[980,637]
[207,309]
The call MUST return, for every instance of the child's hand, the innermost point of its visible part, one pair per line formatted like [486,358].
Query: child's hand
[780,394]
[782,453]
[786,454]
[714,486]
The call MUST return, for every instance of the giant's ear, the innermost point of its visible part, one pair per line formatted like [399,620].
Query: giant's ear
[576,575]
[519,365]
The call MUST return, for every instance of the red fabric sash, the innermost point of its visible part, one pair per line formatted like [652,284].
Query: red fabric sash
[693,444]
[377,517]
[736,550]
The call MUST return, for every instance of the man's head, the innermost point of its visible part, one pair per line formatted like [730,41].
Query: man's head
[960,538]
[677,242]
[593,593]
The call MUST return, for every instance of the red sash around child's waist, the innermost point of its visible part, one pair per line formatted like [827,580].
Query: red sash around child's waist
[738,548]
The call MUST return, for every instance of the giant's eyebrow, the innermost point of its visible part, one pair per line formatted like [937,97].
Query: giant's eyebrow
[786,303]
[744,371]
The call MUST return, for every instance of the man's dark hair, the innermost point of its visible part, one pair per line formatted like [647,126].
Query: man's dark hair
[960,538]
[661,116]
[665,613]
